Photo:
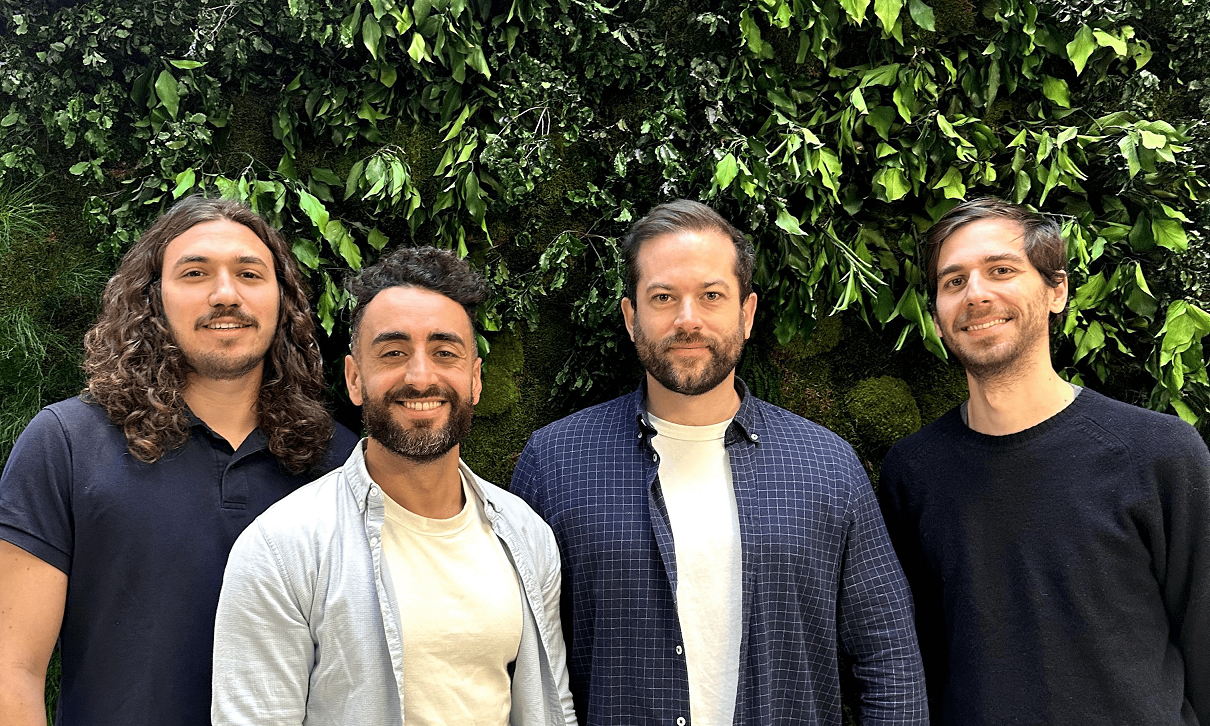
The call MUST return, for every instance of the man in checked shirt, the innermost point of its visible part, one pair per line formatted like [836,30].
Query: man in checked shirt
[719,553]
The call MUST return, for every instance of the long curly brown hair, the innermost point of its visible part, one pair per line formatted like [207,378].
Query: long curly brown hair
[137,372]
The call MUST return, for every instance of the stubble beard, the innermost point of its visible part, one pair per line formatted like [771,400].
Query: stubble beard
[423,442]
[217,364]
[1004,360]
[656,359]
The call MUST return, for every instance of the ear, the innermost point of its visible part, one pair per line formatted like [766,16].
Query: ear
[628,316]
[937,326]
[1058,296]
[748,311]
[353,380]
[476,380]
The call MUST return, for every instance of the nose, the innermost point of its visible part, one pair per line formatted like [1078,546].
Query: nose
[977,290]
[419,372]
[687,315]
[224,292]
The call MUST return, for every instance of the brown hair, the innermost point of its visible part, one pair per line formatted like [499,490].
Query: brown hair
[1042,239]
[684,215]
[137,373]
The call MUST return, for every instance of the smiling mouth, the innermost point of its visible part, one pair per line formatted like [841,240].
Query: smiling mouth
[421,405]
[226,326]
[985,326]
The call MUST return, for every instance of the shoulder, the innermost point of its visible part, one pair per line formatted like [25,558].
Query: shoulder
[74,424]
[1146,434]
[514,510]
[79,417]
[788,437]
[589,426]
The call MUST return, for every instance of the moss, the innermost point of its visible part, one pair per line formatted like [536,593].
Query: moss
[249,135]
[500,369]
[938,388]
[883,411]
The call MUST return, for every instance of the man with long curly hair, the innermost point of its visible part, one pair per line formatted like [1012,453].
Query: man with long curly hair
[118,508]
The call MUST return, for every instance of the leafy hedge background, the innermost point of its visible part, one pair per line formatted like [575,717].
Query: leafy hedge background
[528,134]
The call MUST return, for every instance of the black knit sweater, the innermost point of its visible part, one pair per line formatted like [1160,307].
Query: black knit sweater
[1061,574]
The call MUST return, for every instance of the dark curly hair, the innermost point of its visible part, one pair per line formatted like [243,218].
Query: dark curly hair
[425,267]
[137,372]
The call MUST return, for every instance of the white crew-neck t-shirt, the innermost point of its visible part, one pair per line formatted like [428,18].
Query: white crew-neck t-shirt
[695,476]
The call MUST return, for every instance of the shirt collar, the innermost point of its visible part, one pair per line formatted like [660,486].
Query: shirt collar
[359,481]
[255,441]
[745,425]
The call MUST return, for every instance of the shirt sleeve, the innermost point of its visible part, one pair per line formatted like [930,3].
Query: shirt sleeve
[551,591]
[874,615]
[263,652]
[1183,474]
[36,492]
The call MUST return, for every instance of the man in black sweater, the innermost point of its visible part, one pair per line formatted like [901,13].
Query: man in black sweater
[1057,542]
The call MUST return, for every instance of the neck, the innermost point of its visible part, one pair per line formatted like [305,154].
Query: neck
[1017,399]
[714,406]
[430,489]
[227,406]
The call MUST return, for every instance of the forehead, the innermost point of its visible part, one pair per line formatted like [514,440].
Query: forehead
[415,311]
[687,257]
[973,243]
[220,240]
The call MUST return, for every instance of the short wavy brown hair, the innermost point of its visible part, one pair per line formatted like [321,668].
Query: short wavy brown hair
[137,372]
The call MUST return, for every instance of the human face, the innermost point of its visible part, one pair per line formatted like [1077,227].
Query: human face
[220,298]
[415,372]
[688,322]
[993,307]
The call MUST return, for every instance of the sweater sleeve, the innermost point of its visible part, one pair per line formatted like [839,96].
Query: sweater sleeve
[1182,473]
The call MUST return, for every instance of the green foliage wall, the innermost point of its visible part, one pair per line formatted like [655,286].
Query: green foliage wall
[528,134]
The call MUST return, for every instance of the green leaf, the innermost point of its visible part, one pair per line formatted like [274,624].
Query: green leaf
[1081,48]
[858,100]
[184,182]
[387,76]
[306,253]
[893,183]
[1105,40]
[78,169]
[418,50]
[922,15]
[474,198]
[904,98]
[1130,152]
[166,91]
[1089,340]
[1169,233]
[354,177]
[377,239]
[880,76]
[314,209]
[952,184]
[1056,90]
[856,9]
[788,223]
[1152,140]
[371,34]
[186,64]
[725,171]
[888,13]
[881,118]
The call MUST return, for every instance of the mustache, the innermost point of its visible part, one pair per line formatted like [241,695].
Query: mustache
[224,312]
[683,338]
[407,392]
[968,316]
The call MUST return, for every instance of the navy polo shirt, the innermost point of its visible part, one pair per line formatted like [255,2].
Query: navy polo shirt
[144,547]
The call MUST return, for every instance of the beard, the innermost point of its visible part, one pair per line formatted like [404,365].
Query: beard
[657,359]
[424,442]
[218,364]
[990,359]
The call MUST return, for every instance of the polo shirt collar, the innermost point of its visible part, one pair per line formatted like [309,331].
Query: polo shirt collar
[255,441]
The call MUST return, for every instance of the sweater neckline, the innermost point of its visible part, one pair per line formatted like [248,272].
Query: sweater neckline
[1077,408]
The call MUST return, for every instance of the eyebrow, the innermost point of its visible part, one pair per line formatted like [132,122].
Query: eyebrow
[665,286]
[242,260]
[1010,256]
[436,336]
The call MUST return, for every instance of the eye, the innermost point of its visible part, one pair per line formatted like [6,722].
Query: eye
[393,353]
[1002,270]
[446,354]
[662,297]
[953,282]
[251,275]
[713,296]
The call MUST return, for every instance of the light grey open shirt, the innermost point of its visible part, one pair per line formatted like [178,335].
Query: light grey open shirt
[308,624]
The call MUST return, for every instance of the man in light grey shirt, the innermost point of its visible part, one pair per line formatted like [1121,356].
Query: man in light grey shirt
[400,588]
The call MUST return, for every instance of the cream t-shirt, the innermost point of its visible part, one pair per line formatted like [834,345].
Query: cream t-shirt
[695,475]
[460,612]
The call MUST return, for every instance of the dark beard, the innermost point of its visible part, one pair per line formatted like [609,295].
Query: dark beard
[724,357]
[422,443]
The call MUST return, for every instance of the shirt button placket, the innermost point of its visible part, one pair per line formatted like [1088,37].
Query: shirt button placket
[680,721]
[680,650]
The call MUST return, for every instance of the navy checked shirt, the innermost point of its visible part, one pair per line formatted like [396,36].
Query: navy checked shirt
[819,574]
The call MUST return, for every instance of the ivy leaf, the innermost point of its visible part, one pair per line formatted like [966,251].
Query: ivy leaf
[893,183]
[1105,40]
[315,210]
[952,184]
[1056,90]
[788,223]
[371,34]
[1088,340]
[166,91]
[1130,151]
[1081,48]
[904,98]
[725,171]
[888,12]
[881,118]
[1152,140]
[922,15]
[184,182]
[1169,233]
[856,9]
[418,50]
